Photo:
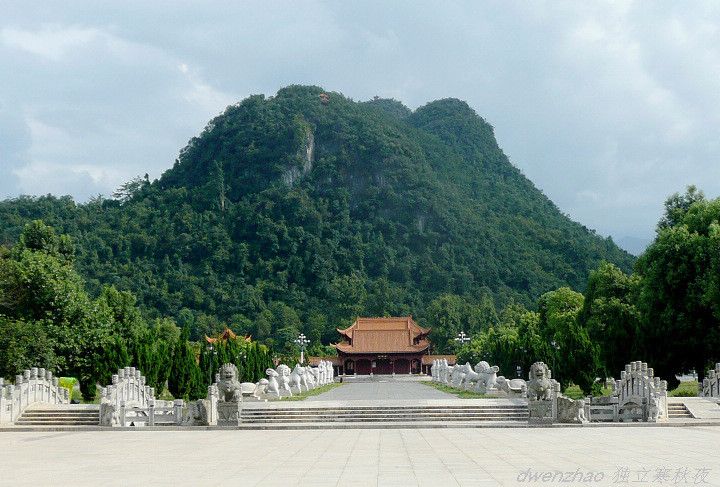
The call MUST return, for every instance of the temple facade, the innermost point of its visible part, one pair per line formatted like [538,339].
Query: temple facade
[382,346]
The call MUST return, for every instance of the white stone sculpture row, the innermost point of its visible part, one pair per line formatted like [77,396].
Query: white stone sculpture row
[711,383]
[129,401]
[282,381]
[223,405]
[482,378]
[33,386]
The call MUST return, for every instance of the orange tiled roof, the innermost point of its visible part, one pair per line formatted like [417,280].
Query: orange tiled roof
[227,334]
[384,335]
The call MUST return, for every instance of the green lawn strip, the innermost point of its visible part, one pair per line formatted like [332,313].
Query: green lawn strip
[457,392]
[685,389]
[313,392]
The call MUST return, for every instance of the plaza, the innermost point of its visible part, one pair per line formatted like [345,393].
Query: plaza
[391,457]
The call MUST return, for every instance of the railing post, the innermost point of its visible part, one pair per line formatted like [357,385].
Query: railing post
[178,405]
[122,413]
[151,412]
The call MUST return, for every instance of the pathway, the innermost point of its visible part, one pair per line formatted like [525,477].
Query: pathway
[382,389]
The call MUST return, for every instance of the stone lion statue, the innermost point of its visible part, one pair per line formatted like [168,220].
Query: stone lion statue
[540,386]
[229,388]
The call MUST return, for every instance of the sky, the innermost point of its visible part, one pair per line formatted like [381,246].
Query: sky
[608,107]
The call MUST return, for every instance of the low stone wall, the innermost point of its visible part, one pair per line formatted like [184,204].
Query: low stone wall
[33,386]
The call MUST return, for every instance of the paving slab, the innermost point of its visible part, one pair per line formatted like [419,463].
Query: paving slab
[382,457]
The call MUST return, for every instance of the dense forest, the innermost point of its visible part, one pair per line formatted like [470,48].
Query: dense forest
[300,211]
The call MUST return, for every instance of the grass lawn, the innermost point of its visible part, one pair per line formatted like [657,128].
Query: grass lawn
[457,392]
[685,389]
[312,392]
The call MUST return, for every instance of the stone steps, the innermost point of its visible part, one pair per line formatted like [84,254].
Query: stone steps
[69,415]
[370,415]
[678,411]
[368,425]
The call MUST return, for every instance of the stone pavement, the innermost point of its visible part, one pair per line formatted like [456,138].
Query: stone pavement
[382,389]
[439,457]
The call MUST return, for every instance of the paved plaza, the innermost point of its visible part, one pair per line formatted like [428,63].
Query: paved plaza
[426,457]
[382,389]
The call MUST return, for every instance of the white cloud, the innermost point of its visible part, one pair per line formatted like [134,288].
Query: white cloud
[51,42]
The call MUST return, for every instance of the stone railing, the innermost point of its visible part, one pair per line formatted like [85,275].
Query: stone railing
[34,386]
[641,395]
[155,413]
[128,401]
[711,383]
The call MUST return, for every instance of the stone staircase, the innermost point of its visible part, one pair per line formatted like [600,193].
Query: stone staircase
[678,410]
[381,416]
[61,415]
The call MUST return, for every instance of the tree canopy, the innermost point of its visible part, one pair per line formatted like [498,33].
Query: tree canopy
[329,210]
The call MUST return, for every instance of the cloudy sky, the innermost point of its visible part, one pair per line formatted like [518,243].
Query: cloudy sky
[608,107]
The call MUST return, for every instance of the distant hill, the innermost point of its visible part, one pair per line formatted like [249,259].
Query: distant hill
[310,208]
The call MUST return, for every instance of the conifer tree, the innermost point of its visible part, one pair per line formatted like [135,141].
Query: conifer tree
[184,371]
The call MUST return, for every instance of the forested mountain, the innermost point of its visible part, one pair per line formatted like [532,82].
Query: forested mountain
[302,210]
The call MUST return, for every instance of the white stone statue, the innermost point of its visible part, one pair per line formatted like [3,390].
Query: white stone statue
[312,376]
[284,379]
[321,374]
[487,377]
[261,388]
[458,375]
[511,387]
[297,378]
[446,372]
[540,387]
[273,385]
[229,387]
[469,376]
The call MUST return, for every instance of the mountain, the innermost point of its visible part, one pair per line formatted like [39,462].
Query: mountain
[307,208]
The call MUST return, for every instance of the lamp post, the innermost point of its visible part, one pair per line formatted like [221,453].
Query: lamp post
[302,342]
[462,338]
[556,349]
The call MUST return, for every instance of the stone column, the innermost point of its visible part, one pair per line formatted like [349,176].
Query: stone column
[178,405]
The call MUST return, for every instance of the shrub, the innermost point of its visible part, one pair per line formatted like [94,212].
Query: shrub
[685,389]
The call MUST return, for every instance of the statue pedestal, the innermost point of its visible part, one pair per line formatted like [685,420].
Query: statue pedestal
[542,412]
[228,413]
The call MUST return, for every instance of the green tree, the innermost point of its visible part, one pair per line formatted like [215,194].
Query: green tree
[680,288]
[573,356]
[446,314]
[184,370]
[24,345]
[611,316]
